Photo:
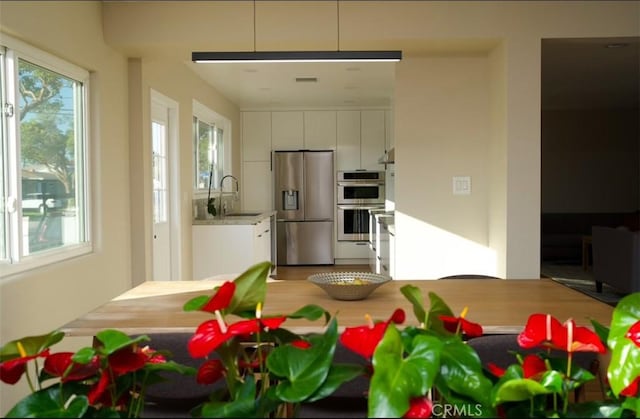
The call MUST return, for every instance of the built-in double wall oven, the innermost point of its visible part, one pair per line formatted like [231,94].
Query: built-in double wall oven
[358,191]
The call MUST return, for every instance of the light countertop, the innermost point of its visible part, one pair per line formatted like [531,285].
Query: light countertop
[235,218]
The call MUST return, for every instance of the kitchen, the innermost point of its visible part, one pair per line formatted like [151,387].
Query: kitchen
[358,140]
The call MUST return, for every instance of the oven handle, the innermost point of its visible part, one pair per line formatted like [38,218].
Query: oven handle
[362,207]
[345,183]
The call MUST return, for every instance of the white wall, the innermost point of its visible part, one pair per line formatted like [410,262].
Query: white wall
[442,131]
[38,301]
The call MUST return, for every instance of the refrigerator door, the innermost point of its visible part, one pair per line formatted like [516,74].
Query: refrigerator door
[288,189]
[305,243]
[319,185]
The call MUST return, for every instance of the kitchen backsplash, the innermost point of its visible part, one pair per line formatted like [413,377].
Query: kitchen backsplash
[230,203]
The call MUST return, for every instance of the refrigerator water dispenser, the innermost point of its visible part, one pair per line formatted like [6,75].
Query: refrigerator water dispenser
[290,200]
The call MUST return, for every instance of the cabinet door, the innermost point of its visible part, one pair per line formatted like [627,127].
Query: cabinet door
[262,242]
[256,136]
[256,186]
[353,250]
[287,131]
[348,140]
[320,130]
[221,249]
[372,139]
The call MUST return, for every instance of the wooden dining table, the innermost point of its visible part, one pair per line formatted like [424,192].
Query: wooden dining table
[500,306]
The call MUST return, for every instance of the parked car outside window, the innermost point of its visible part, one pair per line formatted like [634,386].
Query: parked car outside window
[42,202]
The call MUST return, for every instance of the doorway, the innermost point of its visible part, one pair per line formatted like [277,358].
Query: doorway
[165,208]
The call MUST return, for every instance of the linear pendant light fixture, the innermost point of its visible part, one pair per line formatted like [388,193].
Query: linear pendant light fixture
[295,56]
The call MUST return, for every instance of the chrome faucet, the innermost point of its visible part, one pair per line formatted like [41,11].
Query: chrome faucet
[223,207]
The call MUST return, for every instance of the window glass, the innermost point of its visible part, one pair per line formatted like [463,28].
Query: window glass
[210,154]
[43,160]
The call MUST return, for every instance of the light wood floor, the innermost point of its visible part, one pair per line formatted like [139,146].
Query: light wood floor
[302,272]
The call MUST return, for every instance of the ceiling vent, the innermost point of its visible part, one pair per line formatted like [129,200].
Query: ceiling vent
[306,79]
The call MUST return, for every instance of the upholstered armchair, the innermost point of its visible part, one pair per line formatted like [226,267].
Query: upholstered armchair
[616,258]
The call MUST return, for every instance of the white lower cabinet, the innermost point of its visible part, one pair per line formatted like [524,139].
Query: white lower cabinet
[229,249]
[352,252]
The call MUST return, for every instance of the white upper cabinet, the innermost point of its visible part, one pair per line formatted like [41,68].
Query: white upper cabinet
[372,139]
[348,140]
[256,185]
[320,130]
[287,130]
[256,136]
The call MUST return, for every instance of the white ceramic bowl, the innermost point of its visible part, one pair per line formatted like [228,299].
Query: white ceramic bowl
[348,285]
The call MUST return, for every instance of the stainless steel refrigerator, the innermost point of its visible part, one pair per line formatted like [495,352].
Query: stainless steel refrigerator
[304,198]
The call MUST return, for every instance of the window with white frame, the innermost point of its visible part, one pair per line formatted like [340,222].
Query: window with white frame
[43,161]
[211,148]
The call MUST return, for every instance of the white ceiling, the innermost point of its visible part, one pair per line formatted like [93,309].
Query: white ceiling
[274,85]
[576,73]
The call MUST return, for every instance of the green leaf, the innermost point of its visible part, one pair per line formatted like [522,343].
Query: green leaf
[196,303]
[251,288]
[624,366]
[311,312]
[338,374]
[518,390]
[595,409]
[414,295]
[303,370]
[243,403]
[396,379]
[113,340]
[553,381]
[462,371]
[437,308]
[171,366]
[48,403]
[31,344]
[84,355]
[601,330]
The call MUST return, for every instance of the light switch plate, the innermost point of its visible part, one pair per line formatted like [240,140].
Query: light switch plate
[462,185]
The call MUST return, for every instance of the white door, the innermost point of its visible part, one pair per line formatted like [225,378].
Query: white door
[161,192]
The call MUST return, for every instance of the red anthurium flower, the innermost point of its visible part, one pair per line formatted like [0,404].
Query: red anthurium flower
[210,334]
[634,333]
[364,339]
[455,324]
[127,360]
[532,366]
[222,298]
[419,407]
[398,316]
[99,388]
[57,364]
[495,370]
[301,344]
[206,339]
[272,322]
[210,371]
[543,329]
[12,370]
[581,339]
[632,389]
[153,356]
